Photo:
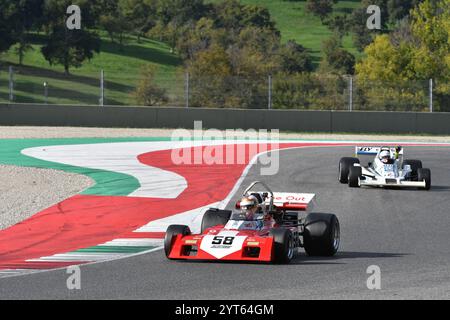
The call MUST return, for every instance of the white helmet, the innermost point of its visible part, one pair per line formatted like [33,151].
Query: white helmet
[385,156]
[249,206]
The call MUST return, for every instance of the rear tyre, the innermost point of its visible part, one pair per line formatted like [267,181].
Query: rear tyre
[321,236]
[415,165]
[424,174]
[353,177]
[172,231]
[283,245]
[215,217]
[344,167]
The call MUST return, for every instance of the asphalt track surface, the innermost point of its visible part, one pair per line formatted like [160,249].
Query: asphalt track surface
[404,232]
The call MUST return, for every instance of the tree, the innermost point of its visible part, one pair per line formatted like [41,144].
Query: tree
[174,17]
[339,24]
[381,61]
[336,59]
[17,18]
[147,92]
[430,24]
[420,54]
[140,15]
[309,91]
[409,61]
[210,72]
[117,20]
[320,8]
[257,16]
[200,36]
[362,36]
[68,47]
[295,58]
[7,9]
[399,9]
[233,16]
[180,11]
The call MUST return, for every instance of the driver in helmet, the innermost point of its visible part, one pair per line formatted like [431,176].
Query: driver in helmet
[385,157]
[249,207]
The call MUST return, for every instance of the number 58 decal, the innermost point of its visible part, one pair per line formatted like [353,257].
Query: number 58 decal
[223,240]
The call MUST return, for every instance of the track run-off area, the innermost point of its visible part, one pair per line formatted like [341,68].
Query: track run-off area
[114,229]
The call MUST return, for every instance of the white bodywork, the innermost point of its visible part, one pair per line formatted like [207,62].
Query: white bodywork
[379,174]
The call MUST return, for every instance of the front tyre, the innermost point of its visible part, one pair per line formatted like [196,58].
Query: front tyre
[322,234]
[215,217]
[354,176]
[171,233]
[344,167]
[415,166]
[424,175]
[283,245]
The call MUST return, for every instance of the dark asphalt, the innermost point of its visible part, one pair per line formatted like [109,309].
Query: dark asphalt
[404,232]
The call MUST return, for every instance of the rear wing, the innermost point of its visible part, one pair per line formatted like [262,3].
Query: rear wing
[375,150]
[293,201]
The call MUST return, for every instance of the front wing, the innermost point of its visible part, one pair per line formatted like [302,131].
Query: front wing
[379,181]
[399,184]
[251,249]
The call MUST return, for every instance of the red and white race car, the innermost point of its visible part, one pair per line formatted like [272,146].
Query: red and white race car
[273,235]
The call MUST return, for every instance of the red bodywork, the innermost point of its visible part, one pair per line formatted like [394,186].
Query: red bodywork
[182,246]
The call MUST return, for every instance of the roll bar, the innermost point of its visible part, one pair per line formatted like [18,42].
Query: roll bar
[265,186]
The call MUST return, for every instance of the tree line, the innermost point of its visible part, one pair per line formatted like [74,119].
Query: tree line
[224,41]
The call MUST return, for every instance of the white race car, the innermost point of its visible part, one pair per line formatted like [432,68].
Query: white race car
[388,169]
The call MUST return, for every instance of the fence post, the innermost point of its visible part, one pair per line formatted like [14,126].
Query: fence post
[186,91]
[46,92]
[11,84]
[431,95]
[102,88]
[350,102]
[270,92]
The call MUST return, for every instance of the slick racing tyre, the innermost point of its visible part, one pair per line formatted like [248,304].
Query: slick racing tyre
[353,177]
[321,235]
[424,174]
[215,217]
[172,231]
[283,245]
[415,165]
[344,167]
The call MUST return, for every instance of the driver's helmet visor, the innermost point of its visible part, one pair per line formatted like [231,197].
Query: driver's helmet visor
[247,207]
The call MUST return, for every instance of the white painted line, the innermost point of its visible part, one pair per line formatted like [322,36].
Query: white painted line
[79,257]
[15,272]
[132,242]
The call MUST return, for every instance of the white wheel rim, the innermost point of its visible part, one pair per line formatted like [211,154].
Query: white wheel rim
[291,248]
[336,236]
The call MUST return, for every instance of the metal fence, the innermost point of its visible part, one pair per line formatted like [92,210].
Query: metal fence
[311,91]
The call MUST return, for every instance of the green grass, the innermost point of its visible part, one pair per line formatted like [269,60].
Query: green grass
[122,67]
[295,24]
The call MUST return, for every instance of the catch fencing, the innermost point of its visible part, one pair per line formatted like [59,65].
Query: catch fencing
[308,91]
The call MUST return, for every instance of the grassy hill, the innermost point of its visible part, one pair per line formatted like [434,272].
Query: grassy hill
[122,65]
[295,24]
[121,68]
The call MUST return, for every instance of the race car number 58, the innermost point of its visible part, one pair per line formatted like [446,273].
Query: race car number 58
[223,240]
